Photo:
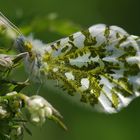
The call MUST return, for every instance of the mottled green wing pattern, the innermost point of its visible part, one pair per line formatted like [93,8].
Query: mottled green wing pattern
[101,64]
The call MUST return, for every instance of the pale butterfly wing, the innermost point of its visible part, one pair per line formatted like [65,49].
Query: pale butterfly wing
[101,64]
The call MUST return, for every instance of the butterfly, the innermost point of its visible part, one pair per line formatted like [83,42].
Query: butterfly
[101,64]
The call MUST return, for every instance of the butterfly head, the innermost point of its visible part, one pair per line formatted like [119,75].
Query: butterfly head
[23,44]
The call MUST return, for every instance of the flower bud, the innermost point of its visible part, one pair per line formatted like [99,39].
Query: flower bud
[16,132]
[3,113]
[5,62]
[39,109]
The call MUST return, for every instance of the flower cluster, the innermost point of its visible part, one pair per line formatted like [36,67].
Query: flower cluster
[40,109]
[12,119]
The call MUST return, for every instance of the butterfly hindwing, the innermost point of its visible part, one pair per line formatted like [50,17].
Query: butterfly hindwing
[98,64]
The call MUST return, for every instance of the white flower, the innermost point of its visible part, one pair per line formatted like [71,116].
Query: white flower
[3,113]
[5,62]
[39,109]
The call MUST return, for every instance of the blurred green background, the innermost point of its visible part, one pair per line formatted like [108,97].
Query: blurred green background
[83,123]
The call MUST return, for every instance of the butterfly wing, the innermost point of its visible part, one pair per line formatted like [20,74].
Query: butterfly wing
[101,64]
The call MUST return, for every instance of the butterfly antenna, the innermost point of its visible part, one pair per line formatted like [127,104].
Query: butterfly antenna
[8,23]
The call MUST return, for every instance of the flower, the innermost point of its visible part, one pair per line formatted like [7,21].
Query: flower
[39,109]
[5,62]
[3,113]
[16,132]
